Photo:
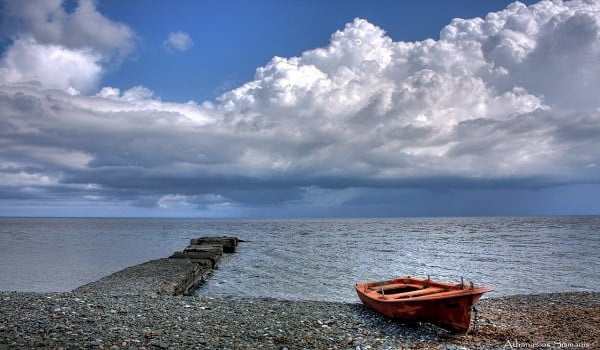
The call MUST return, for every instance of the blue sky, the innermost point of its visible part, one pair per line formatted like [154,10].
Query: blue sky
[299,108]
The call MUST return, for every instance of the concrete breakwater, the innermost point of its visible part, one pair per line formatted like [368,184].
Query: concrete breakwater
[178,274]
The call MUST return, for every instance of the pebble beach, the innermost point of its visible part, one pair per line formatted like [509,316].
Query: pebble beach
[88,320]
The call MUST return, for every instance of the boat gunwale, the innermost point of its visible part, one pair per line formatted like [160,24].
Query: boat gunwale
[434,296]
[410,281]
[451,290]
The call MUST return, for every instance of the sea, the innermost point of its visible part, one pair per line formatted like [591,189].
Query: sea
[312,259]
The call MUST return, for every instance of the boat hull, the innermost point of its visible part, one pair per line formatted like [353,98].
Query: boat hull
[446,305]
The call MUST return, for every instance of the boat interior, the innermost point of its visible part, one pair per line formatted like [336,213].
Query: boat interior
[408,287]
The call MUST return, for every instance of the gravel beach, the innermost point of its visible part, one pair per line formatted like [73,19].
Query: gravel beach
[148,321]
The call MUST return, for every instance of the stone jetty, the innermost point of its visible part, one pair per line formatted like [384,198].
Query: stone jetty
[178,274]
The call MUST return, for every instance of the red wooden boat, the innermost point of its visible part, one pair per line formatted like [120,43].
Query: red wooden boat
[416,299]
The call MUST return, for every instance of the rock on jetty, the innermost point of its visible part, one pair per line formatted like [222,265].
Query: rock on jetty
[178,274]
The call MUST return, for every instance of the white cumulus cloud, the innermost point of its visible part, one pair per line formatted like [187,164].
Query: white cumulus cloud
[179,41]
[57,49]
[50,65]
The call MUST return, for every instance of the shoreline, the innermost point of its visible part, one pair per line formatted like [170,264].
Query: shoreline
[149,321]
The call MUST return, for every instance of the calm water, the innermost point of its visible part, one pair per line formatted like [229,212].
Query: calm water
[312,259]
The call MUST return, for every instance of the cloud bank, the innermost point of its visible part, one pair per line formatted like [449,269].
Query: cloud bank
[507,102]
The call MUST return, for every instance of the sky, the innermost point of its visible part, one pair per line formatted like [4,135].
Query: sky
[299,108]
